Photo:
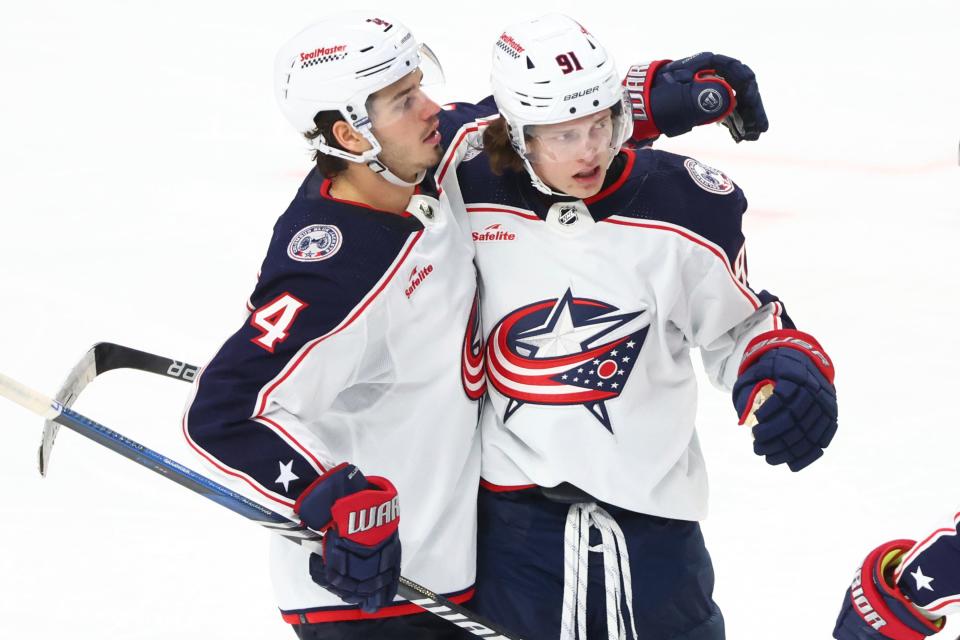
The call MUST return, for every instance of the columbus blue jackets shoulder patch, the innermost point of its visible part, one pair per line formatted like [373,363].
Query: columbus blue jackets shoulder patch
[315,242]
[708,178]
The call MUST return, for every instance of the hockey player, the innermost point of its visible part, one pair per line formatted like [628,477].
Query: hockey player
[353,386]
[904,588]
[601,268]
[348,391]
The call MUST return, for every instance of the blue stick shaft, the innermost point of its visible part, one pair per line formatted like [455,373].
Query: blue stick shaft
[176,472]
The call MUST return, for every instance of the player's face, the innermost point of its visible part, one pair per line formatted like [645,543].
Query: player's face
[405,123]
[573,156]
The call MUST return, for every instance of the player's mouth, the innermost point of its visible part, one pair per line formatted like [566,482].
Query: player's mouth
[588,177]
[433,138]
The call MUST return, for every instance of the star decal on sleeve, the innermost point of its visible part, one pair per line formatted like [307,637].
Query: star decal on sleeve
[923,582]
[286,475]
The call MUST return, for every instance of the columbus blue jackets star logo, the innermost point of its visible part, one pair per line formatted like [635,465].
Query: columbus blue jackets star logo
[565,351]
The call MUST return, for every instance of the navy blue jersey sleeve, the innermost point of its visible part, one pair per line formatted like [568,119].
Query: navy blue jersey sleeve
[688,193]
[929,573]
[255,403]
[457,114]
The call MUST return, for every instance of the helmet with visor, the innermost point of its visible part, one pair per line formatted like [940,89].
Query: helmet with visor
[551,70]
[337,65]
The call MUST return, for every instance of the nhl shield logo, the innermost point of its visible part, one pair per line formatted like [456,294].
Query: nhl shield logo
[708,178]
[568,215]
[314,243]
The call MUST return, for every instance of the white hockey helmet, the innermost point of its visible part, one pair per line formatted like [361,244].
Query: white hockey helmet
[550,70]
[336,64]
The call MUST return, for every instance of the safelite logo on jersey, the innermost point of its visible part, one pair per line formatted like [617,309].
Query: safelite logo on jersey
[494,233]
[417,276]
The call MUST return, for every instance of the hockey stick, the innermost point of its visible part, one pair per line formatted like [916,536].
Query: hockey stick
[53,410]
[103,357]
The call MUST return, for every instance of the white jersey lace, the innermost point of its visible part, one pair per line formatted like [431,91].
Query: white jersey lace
[616,566]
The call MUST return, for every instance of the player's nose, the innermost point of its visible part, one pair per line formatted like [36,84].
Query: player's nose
[589,154]
[429,109]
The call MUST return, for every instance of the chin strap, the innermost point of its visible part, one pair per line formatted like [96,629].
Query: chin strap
[539,184]
[381,169]
[542,186]
[371,157]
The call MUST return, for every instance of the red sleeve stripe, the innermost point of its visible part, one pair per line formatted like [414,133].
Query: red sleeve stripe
[938,605]
[703,242]
[452,151]
[230,471]
[483,207]
[342,614]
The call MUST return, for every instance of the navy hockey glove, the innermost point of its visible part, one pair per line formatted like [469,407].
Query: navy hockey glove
[672,98]
[359,517]
[875,607]
[799,420]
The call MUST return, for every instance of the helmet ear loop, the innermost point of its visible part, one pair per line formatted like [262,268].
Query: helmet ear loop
[519,141]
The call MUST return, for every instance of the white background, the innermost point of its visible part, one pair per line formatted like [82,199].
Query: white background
[143,163]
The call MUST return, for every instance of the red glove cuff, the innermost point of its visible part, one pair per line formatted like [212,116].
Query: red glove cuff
[869,602]
[368,517]
[638,82]
[793,339]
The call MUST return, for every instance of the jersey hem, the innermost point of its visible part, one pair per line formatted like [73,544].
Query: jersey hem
[503,488]
[346,612]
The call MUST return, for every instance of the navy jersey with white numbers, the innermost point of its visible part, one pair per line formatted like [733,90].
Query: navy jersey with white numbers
[362,345]
[590,310]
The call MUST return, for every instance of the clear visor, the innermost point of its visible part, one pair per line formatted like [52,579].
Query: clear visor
[408,95]
[584,138]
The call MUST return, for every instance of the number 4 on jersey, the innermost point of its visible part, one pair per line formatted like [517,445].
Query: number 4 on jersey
[274,320]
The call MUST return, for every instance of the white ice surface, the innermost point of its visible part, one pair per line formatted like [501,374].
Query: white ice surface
[142,165]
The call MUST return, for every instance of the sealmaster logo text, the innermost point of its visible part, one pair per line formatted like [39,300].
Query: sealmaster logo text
[322,51]
[417,276]
[510,42]
[493,233]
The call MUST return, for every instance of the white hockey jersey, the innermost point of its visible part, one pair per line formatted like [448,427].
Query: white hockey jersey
[362,346]
[590,310]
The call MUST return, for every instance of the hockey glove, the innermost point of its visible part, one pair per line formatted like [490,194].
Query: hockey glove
[359,517]
[875,607]
[673,97]
[799,420]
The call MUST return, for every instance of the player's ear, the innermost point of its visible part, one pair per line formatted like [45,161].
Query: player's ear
[348,137]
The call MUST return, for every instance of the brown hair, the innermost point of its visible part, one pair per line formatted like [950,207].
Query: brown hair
[329,166]
[501,154]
